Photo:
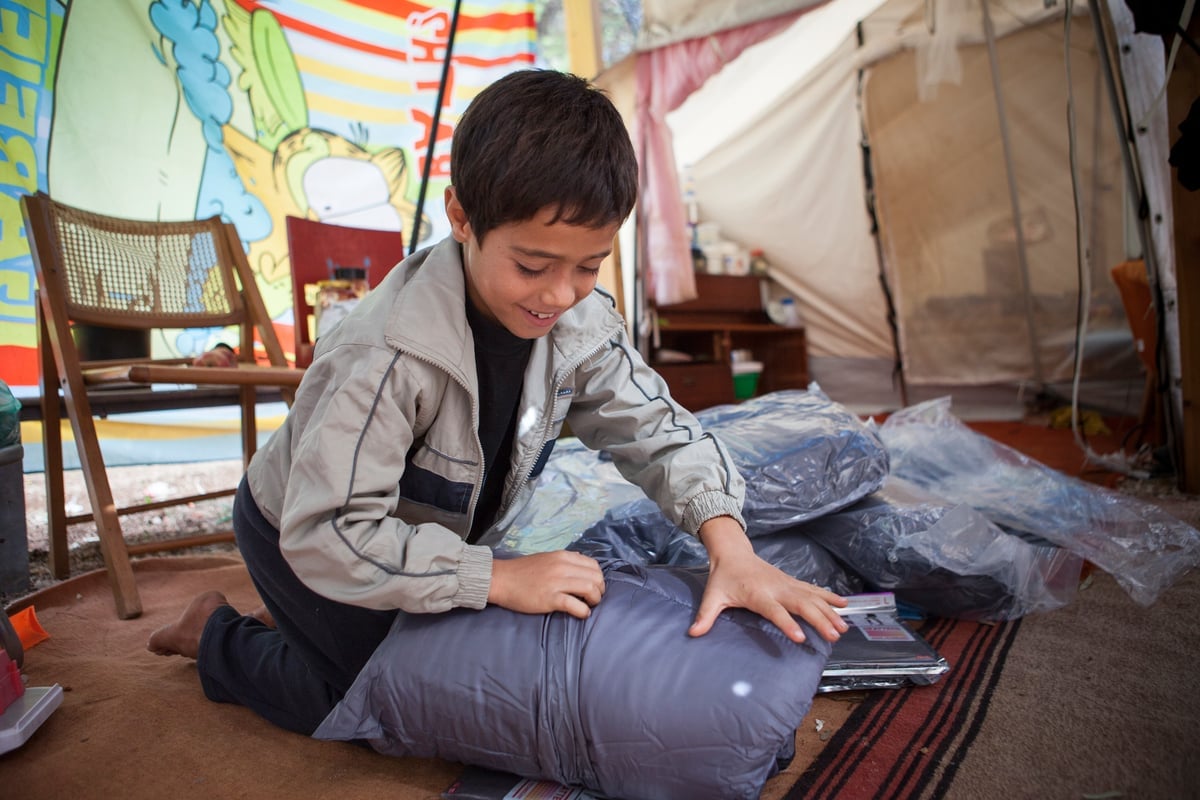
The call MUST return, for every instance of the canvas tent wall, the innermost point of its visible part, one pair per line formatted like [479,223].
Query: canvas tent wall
[773,144]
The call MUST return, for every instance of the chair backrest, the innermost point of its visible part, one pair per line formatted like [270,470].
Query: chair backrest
[316,248]
[128,274]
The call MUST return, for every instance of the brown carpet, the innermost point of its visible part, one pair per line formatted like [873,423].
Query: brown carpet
[1094,700]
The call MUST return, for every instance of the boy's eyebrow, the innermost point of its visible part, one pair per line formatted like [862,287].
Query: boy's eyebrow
[534,253]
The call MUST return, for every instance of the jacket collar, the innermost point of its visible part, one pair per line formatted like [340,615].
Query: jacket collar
[429,317]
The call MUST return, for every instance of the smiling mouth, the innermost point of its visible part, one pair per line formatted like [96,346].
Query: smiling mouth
[540,315]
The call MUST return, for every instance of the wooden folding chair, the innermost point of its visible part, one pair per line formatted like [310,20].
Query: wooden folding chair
[316,249]
[94,270]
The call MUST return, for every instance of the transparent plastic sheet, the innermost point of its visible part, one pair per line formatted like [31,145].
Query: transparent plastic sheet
[802,456]
[946,558]
[1143,548]
[648,538]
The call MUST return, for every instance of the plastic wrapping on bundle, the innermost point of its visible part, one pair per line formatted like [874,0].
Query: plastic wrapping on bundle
[647,538]
[1142,547]
[802,455]
[946,558]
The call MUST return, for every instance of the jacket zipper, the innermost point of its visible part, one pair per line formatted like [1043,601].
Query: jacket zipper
[526,466]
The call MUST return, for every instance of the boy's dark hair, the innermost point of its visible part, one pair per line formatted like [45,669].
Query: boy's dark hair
[538,139]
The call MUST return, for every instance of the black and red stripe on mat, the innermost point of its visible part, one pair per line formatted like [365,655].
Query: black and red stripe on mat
[904,744]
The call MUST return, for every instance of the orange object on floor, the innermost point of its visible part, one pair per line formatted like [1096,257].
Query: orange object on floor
[29,630]
[1134,286]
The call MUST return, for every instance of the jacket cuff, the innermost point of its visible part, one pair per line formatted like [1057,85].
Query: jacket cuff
[707,505]
[474,577]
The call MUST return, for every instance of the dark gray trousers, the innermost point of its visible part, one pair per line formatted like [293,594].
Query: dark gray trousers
[293,674]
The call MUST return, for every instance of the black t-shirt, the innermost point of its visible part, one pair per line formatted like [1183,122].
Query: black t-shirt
[500,360]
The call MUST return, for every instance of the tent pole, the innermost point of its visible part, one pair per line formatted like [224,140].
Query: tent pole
[433,131]
[1014,199]
[876,234]
[1133,177]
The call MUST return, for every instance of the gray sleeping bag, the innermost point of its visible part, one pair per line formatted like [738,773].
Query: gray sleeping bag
[624,703]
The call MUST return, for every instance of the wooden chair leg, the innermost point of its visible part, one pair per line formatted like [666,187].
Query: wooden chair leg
[52,462]
[104,509]
[248,397]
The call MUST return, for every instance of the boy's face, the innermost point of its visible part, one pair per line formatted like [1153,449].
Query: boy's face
[528,273]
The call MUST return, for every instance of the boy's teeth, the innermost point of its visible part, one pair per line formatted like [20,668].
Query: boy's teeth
[540,315]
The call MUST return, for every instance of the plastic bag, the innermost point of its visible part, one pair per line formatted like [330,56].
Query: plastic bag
[946,558]
[1140,545]
[802,455]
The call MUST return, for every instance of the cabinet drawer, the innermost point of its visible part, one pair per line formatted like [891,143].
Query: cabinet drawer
[698,386]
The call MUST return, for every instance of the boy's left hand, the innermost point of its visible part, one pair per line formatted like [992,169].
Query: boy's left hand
[738,578]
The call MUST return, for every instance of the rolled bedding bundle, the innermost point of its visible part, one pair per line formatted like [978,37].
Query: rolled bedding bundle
[1143,547]
[646,538]
[945,558]
[623,703]
[802,456]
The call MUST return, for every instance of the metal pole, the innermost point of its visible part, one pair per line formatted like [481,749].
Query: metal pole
[437,115]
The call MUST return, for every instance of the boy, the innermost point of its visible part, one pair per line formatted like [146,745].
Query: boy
[429,411]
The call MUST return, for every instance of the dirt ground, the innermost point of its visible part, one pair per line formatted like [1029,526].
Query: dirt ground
[131,485]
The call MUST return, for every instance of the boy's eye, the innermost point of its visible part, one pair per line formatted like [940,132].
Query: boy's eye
[589,270]
[524,270]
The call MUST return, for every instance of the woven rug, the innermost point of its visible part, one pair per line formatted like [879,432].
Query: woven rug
[907,743]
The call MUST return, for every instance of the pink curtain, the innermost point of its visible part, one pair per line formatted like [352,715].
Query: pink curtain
[665,78]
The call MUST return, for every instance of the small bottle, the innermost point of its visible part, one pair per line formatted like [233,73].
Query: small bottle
[790,312]
[336,297]
[758,263]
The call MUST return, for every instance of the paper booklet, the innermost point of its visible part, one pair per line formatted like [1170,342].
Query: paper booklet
[879,651]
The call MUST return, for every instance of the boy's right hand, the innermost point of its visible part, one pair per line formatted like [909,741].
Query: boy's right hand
[546,582]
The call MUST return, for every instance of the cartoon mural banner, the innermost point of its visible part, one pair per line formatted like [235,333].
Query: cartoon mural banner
[181,109]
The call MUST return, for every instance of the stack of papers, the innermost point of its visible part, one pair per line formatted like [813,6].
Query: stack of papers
[879,651]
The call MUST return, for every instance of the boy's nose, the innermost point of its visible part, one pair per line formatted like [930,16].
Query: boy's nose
[559,293]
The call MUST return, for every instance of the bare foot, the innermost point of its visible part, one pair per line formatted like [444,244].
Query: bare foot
[182,637]
[262,615]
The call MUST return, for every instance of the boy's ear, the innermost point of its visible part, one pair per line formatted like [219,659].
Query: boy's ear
[460,226]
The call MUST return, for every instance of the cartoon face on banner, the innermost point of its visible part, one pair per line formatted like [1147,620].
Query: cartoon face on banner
[182,109]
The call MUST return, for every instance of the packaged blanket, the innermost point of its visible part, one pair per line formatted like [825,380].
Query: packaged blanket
[1139,544]
[945,558]
[623,703]
[802,455]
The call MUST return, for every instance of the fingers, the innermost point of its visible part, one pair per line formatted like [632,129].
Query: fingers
[779,615]
[580,577]
[705,616]
[773,595]
[818,613]
[546,582]
[575,607]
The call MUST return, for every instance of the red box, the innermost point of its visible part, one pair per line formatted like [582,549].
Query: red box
[11,685]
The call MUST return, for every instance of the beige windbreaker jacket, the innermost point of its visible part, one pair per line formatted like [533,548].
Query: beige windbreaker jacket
[373,478]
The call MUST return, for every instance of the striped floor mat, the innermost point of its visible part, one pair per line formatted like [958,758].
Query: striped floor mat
[907,743]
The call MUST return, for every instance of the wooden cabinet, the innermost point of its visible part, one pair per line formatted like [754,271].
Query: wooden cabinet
[728,315]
